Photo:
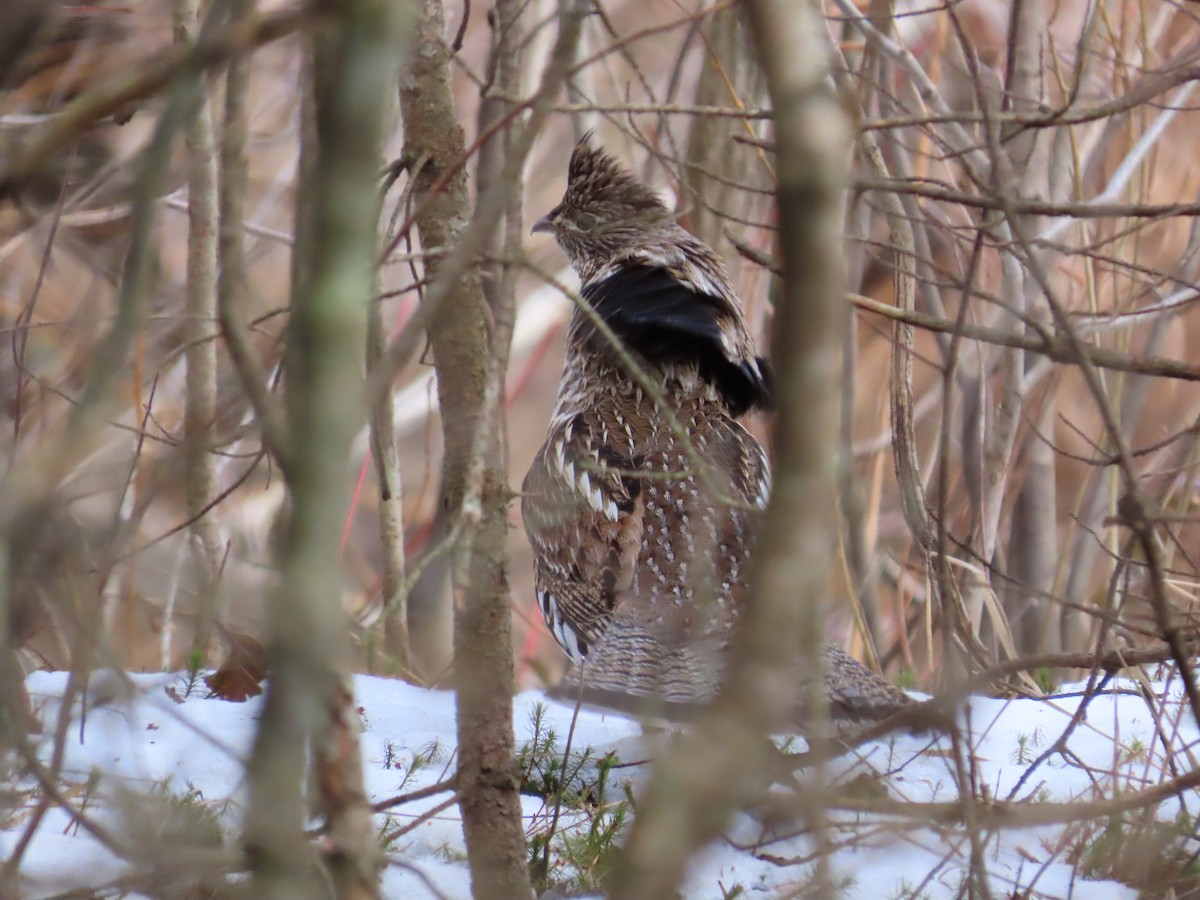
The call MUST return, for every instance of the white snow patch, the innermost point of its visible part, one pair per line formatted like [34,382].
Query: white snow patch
[141,737]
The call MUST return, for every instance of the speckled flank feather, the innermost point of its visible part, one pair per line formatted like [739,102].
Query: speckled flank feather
[640,560]
[615,512]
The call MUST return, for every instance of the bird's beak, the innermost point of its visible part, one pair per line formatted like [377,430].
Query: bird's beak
[542,224]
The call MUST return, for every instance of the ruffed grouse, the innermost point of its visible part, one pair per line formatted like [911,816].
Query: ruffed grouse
[641,544]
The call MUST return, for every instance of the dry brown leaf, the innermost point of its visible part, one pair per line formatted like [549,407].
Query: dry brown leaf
[241,675]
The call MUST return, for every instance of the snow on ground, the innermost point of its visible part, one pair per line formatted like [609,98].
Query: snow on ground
[147,742]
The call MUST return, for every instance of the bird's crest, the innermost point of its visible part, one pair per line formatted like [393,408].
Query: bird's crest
[594,177]
[603,209]
[664,293]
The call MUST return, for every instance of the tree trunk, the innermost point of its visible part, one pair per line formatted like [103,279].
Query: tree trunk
[475,492]
[308,700]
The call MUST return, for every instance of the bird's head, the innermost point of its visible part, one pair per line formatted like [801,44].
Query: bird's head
[604,210]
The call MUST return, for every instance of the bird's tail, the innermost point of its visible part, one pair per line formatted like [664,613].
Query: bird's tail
[637,670]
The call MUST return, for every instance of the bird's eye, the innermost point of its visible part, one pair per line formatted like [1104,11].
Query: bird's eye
[587,221]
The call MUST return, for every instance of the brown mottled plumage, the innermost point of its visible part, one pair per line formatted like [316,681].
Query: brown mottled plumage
[640,558]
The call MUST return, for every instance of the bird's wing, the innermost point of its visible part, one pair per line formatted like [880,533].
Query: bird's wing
[747,462]
[583,512]
[667,320]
